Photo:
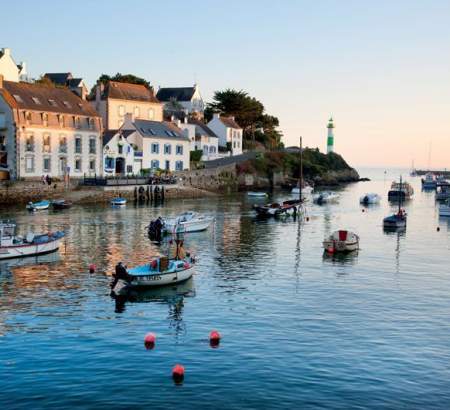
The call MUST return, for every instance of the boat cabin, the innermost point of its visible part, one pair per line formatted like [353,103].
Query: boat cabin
[7,233]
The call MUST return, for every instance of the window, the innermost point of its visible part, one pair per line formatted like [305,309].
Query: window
[167,149]
[120,148]
[179,150]
[92,145]
[29,164]
[155,164]
[78,145]
[44,117]
[234,144]
[92,165]
[179,166]
[205,149]
[169,133]
[151,114]
[151,131]
[109,163]
[212,149]
[167,165]
[129,169]
[28,116]
[155,148]
[52,102]
[36,100]
[46,167]
[91,123]
[46,143]
[18,98]
[67,104]
[121,110]
[61,120]
[137,112]
[77,122]
[77,164]
[29,143]
[63,144]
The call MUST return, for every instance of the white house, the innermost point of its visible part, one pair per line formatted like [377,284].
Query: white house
[187,99]
[228,131]
[153,145]
[47,131]
[9,69]
[77,85]
[201,138]
[120,157]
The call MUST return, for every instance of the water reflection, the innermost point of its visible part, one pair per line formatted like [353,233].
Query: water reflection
[339,258]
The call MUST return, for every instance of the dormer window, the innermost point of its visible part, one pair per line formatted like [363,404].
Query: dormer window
[67,104]
[36,100]
[52,102]
[18,98]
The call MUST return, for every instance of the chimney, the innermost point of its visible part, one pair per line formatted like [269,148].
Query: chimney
[128,119]
[1,81]
[172,118]
[185,119]
[232,117]
[6,51]
[216,115]
[178,123]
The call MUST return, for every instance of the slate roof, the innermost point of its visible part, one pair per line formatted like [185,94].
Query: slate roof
[206,130]
[108,135]
[229,122]
[37,97]
[175,93]
[127,91]
[158,129]
[58,78]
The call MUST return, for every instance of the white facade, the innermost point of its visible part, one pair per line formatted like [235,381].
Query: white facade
[9,69]
[330,136]
[201,140]
[121,157]
[163,145]
[228,132]
[189,99]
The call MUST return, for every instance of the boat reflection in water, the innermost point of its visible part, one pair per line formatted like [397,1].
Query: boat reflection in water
[341,258]
[8,264]
[172,295]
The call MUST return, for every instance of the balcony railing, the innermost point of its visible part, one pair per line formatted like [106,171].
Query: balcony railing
[63,149]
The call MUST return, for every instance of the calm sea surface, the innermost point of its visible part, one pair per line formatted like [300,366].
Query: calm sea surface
[300,330]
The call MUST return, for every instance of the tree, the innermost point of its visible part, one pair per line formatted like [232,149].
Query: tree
[121,78]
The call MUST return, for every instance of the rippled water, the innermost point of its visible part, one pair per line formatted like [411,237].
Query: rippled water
[300,330]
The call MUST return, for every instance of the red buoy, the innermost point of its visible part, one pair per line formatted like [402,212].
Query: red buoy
[178,374]
[92,268]
[149,341]
[214,338]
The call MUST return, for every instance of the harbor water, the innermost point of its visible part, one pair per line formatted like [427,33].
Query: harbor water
[299,329]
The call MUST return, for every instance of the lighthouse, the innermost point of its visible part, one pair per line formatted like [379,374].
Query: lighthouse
[330,137]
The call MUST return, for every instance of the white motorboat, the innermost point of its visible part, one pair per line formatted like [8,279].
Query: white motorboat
[187,222]
[119,201]
[325,197]
[341,241]
[13,246]
[257,194]
[444,209]
[160,271]
[306,190]
[370,198]
[38,206]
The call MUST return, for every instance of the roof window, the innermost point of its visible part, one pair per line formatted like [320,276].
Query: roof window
[18,98]
[151,131]
[67,104]
[36,100]
[52,102]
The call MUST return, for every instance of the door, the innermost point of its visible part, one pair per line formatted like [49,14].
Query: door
[167,165]
[120,166]
[62,166]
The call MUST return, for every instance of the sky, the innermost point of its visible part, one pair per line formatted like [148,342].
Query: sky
[381,69]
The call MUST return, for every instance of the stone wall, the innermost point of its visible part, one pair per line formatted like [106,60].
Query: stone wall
[221,179]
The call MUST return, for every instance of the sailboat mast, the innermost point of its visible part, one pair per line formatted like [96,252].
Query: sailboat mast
[400,196]
[301,169]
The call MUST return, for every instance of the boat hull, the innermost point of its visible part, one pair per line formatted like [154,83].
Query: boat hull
[257,194]
[188,226]
[340,246]
[21,251]
[444,211]
[161,279]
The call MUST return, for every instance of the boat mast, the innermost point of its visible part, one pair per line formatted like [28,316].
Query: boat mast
[400,196]
[301,170]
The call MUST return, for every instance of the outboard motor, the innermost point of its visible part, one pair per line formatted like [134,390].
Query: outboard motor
[365,200]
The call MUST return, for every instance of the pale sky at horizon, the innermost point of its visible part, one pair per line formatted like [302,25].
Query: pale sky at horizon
[381,69]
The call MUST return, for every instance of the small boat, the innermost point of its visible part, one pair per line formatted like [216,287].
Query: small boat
[286,208]
[341,241]
[161,271]
[61,204]
[187,222]
[443,193]
[13,246]
[397,220]
[429,182]
[38,206]
[444,209]
[325,197]
[307,189]
[119,201]
[257,194]
[400,191]
[369,199]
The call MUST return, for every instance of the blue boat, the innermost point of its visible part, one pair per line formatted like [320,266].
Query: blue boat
[119,201]
[38,206]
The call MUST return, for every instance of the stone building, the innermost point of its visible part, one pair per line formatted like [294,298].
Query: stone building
[47,131]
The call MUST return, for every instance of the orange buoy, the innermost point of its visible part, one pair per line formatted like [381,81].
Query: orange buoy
[178,374]
[149,341]
[214,338]
[92,268]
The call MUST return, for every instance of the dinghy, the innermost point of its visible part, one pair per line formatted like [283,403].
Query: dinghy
[369,199]
[341,241]
[119,201]
[397,220]
[187,222]
[257,194]
[13,246]
[307,189]
[61,204]
[286,208]
[325,197]
[444,209]
[38,206]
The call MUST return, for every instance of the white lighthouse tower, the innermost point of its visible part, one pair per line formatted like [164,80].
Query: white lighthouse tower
[330,137]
